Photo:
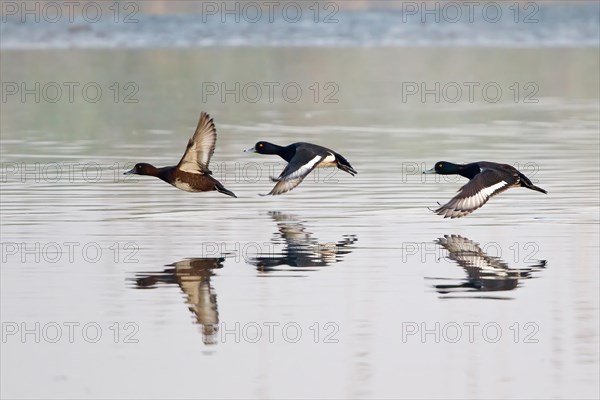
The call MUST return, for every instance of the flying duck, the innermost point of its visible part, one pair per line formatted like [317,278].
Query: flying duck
[486,180]
[192,173]
[302,158]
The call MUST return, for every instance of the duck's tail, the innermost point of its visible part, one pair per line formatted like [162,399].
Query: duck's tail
[538,189]
[344,165]
[525,182]
[221,189]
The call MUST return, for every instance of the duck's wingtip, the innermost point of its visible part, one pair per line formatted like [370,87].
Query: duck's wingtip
[221,189]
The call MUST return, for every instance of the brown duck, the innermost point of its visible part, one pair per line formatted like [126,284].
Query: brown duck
[192,173]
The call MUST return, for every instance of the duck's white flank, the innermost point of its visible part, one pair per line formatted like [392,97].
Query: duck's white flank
[328,161]
[182,185]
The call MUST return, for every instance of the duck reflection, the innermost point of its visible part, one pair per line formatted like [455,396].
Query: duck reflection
[300,249]
[193,277]
[485,273]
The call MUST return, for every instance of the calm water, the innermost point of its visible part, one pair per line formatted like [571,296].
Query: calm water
[346,286]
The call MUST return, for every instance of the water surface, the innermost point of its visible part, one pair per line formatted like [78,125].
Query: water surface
[344,287]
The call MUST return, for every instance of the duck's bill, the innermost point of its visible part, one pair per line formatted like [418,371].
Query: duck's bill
[250,150]
[430,171]
[130,172]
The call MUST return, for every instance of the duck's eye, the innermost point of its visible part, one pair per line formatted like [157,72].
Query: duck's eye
[439,165]
[260,145]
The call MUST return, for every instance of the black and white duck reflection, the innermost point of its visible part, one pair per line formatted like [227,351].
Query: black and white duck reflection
[193,277]
[485,273]
[300,248]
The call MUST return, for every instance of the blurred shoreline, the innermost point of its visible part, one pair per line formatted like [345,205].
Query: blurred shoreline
[164,7]
[160,24]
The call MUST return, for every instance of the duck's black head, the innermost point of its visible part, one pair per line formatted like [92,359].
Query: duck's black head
[142,169]
[444,168]
[265,148]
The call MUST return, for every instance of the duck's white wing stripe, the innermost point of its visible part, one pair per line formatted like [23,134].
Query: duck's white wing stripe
[478,199]
[460,206]
[290,178]
[490,190]
[303,170]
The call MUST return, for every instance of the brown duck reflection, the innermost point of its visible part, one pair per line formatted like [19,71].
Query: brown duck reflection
[300,249]
[485,273]
[193,277]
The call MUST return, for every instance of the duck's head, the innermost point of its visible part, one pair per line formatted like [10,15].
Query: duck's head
[444,168]
[142,169]
[264,148]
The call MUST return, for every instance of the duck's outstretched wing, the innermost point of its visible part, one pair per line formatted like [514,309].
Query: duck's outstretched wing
[474,194]
[303,162]
[200,147]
